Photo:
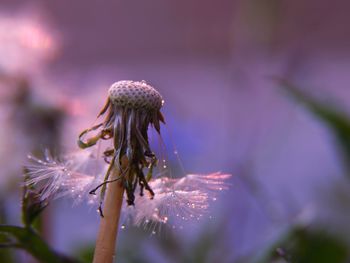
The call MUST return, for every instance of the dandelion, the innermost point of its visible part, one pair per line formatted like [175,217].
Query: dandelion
[126,165]
[130,108]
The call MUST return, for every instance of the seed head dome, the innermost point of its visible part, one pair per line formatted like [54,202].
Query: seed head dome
[135,95]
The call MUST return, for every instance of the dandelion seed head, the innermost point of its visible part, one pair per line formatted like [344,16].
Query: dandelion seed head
[135,94]
[131,107]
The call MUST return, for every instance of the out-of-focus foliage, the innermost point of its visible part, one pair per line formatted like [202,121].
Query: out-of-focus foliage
[337,120]
[31,206]
[26,237]
[316,242]
[85,253]
[5,255]
[305,245]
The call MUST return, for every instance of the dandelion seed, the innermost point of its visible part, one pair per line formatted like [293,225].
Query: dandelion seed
[68,177]
[184,198]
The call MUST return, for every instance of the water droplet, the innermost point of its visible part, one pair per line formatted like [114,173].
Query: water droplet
[153,232]
[122,227]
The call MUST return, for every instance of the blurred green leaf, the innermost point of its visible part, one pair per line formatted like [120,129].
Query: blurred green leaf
[27,239]
[85,253]
[303,245]
[5,255]
[32,206]
[338,121]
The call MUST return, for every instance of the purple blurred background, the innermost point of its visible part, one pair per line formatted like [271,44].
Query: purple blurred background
[213,62]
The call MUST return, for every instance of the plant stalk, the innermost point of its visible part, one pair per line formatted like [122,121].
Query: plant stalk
[107,234]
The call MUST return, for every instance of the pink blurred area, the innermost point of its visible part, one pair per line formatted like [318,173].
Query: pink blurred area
[212,61]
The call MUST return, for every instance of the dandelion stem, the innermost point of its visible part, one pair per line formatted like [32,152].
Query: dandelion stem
[107,235]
